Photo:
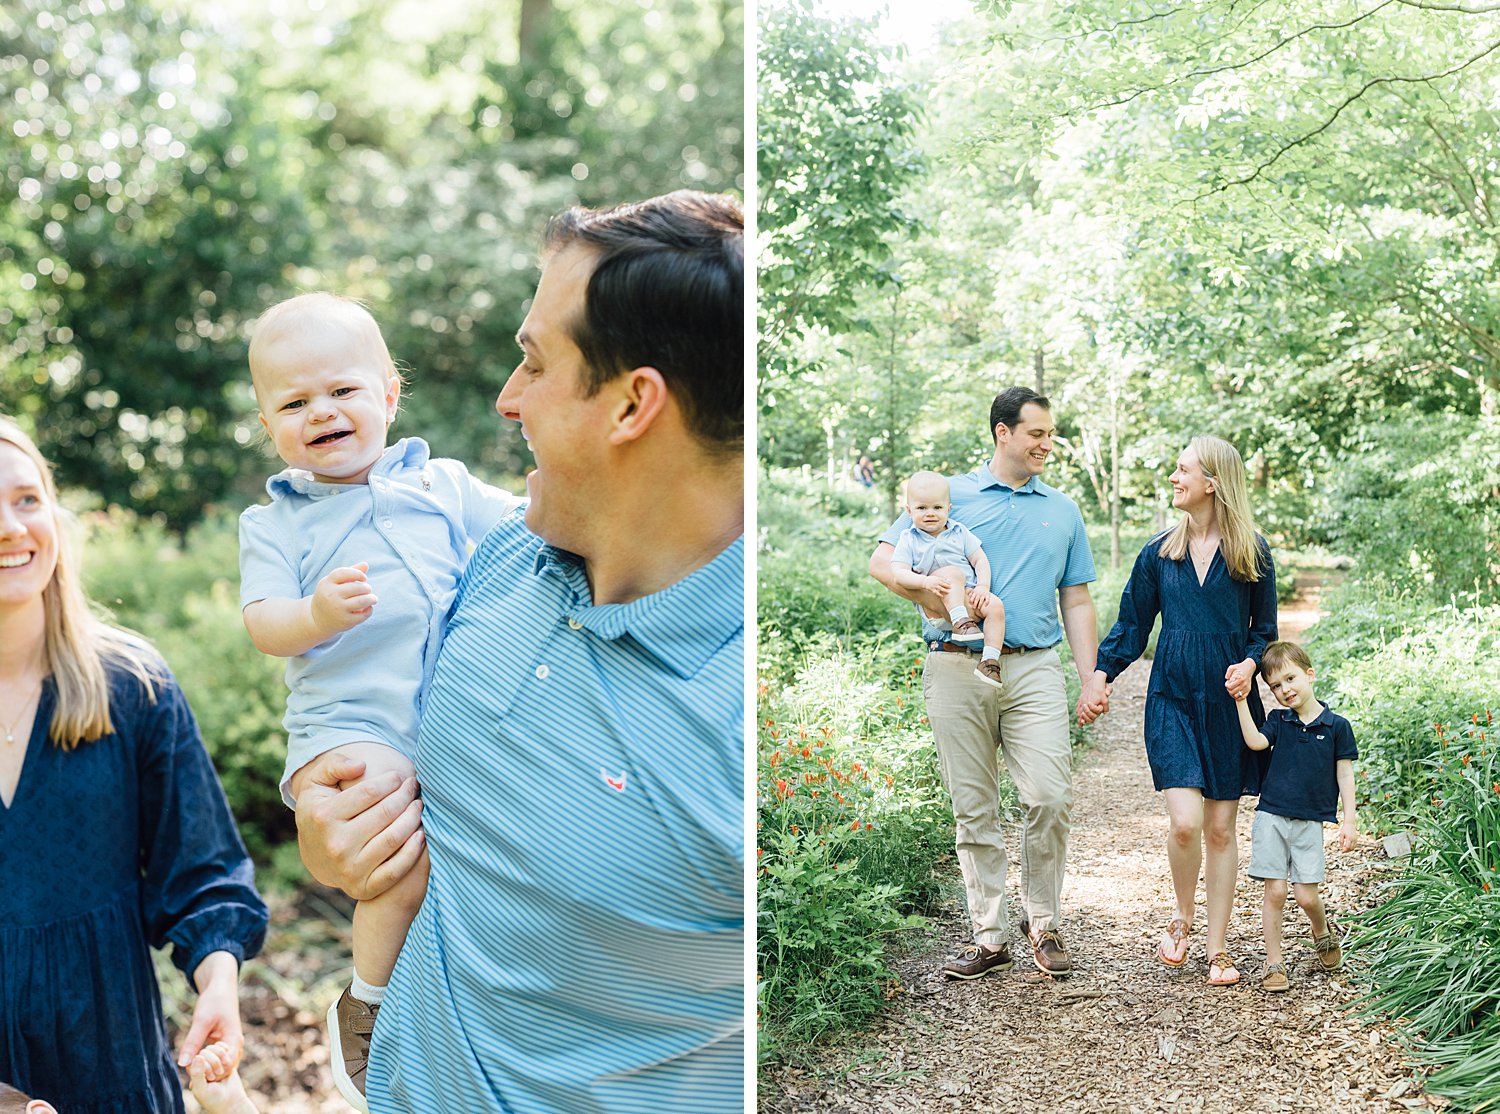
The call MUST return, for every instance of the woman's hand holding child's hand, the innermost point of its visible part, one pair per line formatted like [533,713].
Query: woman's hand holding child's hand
[343,599]
[1239,678]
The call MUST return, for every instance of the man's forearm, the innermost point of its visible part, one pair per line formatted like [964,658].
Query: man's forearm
[1080,624]
[881,570]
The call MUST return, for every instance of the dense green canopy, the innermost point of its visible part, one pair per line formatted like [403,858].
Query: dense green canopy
[168,169]
[1273,222]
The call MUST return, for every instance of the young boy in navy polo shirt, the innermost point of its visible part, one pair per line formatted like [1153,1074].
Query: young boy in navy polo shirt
[1311,768]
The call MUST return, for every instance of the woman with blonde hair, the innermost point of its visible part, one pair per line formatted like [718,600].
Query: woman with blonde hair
[114,835]
[1211,580]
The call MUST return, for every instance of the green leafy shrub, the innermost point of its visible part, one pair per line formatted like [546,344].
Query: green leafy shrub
[184,596]
[851,821]
[1416,500]
[1398,667]
[1431,949]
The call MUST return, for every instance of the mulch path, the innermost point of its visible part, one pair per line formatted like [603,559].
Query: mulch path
[1124,1033]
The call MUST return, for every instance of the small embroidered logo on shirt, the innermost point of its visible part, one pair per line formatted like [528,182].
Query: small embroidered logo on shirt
[617,784]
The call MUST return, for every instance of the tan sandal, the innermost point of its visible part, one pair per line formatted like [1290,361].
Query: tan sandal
[1175,938]
[1274,980]
[1227,974]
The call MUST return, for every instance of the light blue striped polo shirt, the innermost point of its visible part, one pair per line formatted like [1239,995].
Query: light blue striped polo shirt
[1034,538]
[581,946]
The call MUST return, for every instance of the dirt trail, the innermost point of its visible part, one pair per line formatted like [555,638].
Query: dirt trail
[1124,1033]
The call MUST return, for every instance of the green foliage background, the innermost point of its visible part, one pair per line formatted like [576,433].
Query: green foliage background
[169,169]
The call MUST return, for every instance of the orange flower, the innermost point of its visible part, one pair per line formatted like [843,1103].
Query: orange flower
[854,827]
[806,752]
[1466,760]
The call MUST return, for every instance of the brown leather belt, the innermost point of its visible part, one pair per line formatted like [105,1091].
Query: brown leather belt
[955,648]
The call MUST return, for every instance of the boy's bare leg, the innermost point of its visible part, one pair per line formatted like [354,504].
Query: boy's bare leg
[942,606]
[1271,910]
[992,619]
[381,923]
[1311,903]
[952,595]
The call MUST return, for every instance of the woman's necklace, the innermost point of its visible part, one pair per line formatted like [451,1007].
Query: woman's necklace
[26,709]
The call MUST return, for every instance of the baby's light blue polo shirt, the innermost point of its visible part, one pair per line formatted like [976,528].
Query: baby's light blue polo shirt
[1034,538]
[581,945]
[926,552]
[414,523]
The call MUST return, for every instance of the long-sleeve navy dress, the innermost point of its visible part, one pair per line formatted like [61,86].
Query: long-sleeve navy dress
[106,848]
[1193,735]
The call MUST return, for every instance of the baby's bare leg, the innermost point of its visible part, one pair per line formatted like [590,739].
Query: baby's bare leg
[952,596]
[992,619]
[381,923]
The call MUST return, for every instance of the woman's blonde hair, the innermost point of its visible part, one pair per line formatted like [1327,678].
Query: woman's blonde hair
[77,643]
[1223,468]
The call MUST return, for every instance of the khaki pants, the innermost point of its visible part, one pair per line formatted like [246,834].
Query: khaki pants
[972,723]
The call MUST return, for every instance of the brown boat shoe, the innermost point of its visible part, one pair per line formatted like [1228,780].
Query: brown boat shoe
[1049,951]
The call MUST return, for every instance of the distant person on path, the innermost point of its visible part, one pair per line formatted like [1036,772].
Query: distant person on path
[115,837]
[1039,562]
[1311,768]
[864,471]
[1211,580]
[942,561]
[348,518]
[582,944]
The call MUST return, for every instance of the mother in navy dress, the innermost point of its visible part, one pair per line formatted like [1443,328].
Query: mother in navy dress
[114,835]
[1211,580]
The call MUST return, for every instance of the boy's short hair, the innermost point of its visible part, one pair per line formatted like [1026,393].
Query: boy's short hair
[315,310]
[924,477]
[1278,654]
[12,1100]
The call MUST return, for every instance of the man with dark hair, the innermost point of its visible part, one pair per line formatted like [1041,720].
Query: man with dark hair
[1039,561]
[581,947]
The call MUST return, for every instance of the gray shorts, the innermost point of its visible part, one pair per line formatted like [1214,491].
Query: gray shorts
[1291,850]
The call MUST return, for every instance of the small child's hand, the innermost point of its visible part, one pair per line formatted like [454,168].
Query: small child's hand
[1348,835]
[214,1064]
[343,599]
[215,1083]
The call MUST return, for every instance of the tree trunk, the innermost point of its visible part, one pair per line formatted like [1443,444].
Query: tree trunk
[1114,473]
[535,16]
[895,424]
[1039,365]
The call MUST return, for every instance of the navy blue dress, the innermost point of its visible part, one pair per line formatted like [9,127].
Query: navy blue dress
[109,847]
[1193,735]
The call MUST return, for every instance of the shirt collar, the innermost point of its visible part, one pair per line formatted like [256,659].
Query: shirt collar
[409,452]
[1324,716]
[988,479]
[683,625]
